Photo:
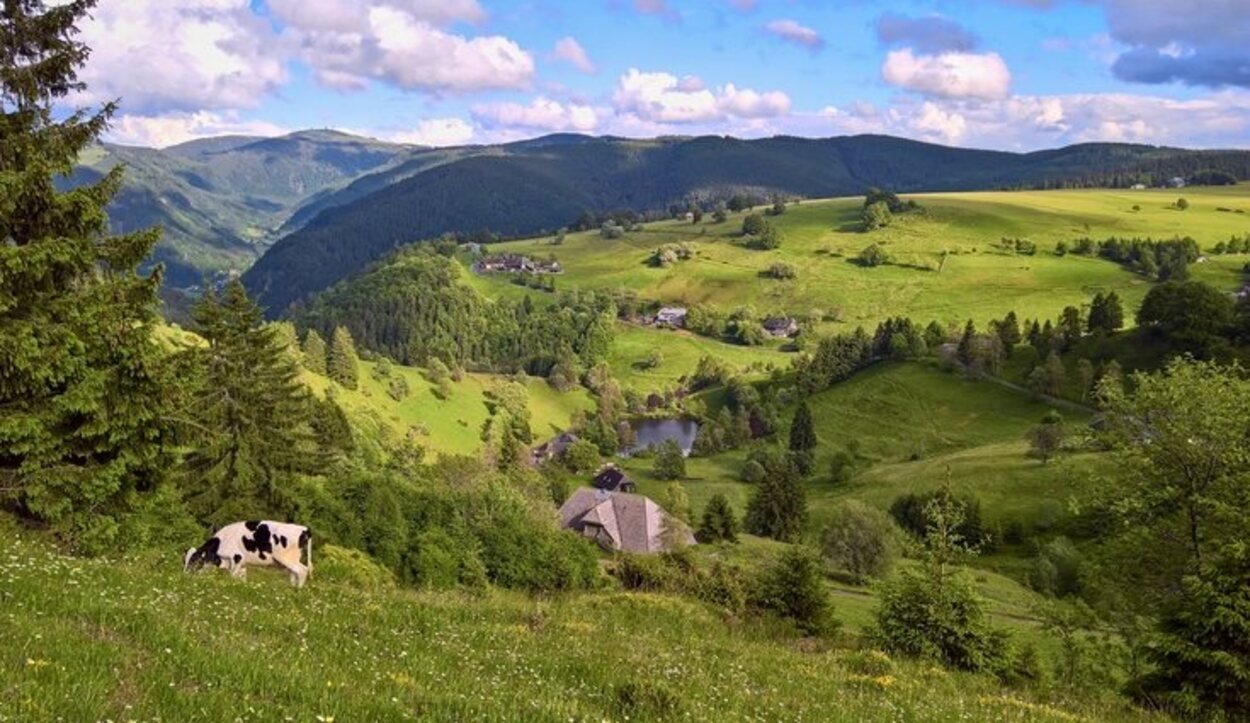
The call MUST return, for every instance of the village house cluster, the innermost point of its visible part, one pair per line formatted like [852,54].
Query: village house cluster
[516,264]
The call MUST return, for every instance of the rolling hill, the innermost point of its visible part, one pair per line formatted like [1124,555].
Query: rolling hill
[531,187]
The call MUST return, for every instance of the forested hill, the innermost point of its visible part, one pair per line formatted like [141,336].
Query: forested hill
[221,200]
[540,185]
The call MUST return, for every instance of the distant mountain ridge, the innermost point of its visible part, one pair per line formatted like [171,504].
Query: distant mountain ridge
[222,200]
[538,185]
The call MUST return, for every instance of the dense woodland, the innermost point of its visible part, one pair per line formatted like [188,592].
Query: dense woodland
[114,440]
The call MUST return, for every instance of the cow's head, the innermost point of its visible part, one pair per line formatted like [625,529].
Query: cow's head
[205,554]
[188,559]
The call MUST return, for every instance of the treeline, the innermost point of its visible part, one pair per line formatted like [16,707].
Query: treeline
[414,308]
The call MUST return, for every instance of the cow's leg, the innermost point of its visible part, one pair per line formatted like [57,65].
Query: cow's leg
[239,571]
[299,573]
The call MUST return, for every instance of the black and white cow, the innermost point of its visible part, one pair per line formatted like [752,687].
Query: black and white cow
[257,542]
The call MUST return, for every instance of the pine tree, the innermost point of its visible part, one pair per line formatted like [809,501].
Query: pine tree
[719,523]
[343,364]
[248,417]
[1009,332]
[778,509]
[84,437]
[803,438]
[966,351]
[314,352]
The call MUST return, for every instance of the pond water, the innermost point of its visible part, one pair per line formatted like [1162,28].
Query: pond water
[651,432]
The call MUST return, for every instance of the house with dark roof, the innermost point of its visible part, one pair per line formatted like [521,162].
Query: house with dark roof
[620,521]
[553,448]
[781,326]
[611,478]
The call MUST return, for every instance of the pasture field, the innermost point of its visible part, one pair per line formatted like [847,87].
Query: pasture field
[139,640]
[447,426]
[680,352]
[978,280]
[909,426]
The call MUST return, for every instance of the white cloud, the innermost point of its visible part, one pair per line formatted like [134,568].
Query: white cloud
[570,51]
[435,132]
[664,98]
[402,42]
[543,114]
[747,103]
[656,96]
[159,131]
[949,75]
[933,122]
[793,32]
[183,55]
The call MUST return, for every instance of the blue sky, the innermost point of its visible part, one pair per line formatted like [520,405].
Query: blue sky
[1012,74]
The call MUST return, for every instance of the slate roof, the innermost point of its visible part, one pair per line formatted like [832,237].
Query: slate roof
[613,479]
[617,520]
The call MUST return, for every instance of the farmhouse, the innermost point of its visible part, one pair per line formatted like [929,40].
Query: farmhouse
[515,264]
[611,478]
[672,316]
[619,520]
[553,448]
[781,326]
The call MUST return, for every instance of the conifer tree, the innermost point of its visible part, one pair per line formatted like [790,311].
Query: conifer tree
[249,416]
[803,438]
[343,363]
[83,433]
[778,509]
[966,349]
[718,522]
[315,352]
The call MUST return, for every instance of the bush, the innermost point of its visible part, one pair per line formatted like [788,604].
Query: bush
[719,523]
[873,256]
[875,216]
[753,224]
[752,472]
[1057,569]
[792,587]
[782,271]
[352,568]
[859,539]
[581,457]
[841,467]
[944,623]
[652,573]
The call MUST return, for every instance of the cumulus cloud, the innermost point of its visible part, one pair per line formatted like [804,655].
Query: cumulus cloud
[792,31]
[949,75]
[160,131]
[542,114]
[406,43]
[933,34]
[435,132]
[570,51]
[663,98]
[180,55]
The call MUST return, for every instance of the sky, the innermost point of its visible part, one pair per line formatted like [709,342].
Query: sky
[1001,74]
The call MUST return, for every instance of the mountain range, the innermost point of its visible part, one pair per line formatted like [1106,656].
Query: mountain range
[300,212]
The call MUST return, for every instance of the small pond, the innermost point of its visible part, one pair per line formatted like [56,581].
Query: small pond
[651,432]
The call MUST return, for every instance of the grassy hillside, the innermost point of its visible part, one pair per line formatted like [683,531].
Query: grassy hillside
[978,280]
[910,425]
[139,640]
[541,185]
[446,426]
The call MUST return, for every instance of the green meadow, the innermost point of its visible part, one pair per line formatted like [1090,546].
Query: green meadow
[451,425]
[978,280]
[138,640]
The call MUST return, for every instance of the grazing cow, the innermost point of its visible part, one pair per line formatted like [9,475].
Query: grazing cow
[258,542]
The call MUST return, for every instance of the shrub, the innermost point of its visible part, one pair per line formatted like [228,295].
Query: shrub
[581,456]
[792,587]
[841,467]
[652,573]
[875,216]
[752,472]
[1057,569]
[873,256]
[782,271]
[753,224]
[859,539]
[352,568]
